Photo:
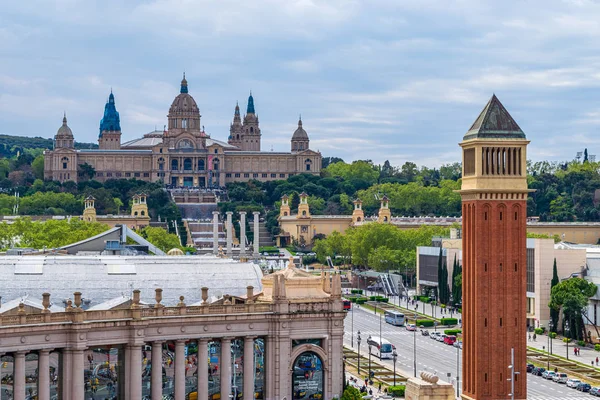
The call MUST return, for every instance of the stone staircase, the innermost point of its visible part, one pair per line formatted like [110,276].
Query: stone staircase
[265,238]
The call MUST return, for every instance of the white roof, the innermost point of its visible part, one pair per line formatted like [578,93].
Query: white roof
[112,303]
[102,278]
[14,303]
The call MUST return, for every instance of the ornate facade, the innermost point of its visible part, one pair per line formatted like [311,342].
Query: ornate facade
[183,154]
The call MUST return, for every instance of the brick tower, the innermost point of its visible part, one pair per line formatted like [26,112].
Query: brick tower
[494,207]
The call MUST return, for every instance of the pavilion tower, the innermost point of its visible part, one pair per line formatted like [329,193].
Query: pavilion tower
[110,126]
[250,139]
[303,207]
[284,209]
[494,207]
[236,132]
[358,215]
[385,215]
[89,212]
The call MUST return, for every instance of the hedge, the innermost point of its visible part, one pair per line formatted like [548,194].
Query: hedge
[424,322]
[424,299]
[382,299]
[566,340]
[361,301]
[356,291]
[453,331]
[449,321]
[397,391]
[581,343]
[460,310]
[597,347]
[538,331]
[552,335]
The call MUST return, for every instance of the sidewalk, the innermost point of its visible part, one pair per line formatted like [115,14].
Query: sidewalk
[559,348]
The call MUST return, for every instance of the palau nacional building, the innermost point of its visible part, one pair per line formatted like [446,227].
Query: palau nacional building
[183,154]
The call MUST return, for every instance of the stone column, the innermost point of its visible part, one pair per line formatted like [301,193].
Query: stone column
[66,367]
[44,375]
[229,233]
[225,367]
[242,233]
[135,372]
[202,369]
[249,368]
[156,371]
[77,377]
[215,232]
[256,234]
[19,376]
[179,370]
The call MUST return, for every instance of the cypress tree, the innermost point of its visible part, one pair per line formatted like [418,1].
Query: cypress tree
[585,156]
[553,312]
[454,273]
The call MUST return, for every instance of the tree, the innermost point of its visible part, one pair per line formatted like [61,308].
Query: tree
[351,393]
[554,313]
[585,156]
[572,296]
[37,167]
[161,238]
[118,203]
[86,170]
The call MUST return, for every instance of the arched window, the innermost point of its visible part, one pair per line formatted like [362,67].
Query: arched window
[65,162]
[187,164]
[358,219]
[308,164]
[174,165]
[238,136]
[285,213]
[184,123]
[201,165]
[307,377]
[161,164]
[385,219]
[143,213]
[216,164]
[304,213]
[251,130]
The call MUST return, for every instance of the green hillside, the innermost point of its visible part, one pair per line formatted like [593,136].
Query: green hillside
[11,145]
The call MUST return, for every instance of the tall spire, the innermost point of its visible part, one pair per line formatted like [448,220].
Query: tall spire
[64,118]
[250,109]
[237,108]
[184,85]
[111,120]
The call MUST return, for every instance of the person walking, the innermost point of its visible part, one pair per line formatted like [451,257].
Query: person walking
[379,388]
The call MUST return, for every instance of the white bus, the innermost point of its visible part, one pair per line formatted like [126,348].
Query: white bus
[380,347]
[394,317]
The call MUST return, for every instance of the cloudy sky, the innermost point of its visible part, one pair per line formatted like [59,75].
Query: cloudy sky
[373,79]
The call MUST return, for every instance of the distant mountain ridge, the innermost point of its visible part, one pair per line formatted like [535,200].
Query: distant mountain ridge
[10,145]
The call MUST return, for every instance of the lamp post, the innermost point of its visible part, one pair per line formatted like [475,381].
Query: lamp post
[549,334]
[415,348]
[352,337]
[550,326]
[457,370]
[395,358]
[369,357]
[566,333]
[358,340]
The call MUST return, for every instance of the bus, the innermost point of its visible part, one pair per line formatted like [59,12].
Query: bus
[347,304]
[394,317]
[380,347]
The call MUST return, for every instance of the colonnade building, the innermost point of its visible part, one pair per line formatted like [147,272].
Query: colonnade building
[183,153]
[280,338]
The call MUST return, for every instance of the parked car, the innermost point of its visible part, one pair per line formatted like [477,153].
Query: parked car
[411,327]
[573,382]
[548,375]
[441,337]
[538,371]
[595,391]
[584,387]
[450,339]
[424,332]
[560,377]
[530,367]
[433,335]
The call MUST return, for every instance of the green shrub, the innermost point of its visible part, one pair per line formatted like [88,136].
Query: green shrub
[373,298]
[552,335]
[397,391]
[581,343]
[442,306]
[268,249]
[353,299]
[381,299]
[566,340]
[597,347]
[460,310]
[361,301]
[356,291]
[452,331]
[351,393]
[424,322]
[424,299]
[449,321]
[538,331]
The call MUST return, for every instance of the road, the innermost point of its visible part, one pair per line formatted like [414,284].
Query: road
[434,356]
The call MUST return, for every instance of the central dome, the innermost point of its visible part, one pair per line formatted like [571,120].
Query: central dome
[64,131]
[184,103]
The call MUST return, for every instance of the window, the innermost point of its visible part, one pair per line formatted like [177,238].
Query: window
[227,175]
[127,174]
[255,175]
[216,164]
[273,175]
[146,175]
[282,175]
[184,123]
[100,174]
[216,151]
[201,165]
[264,175]
[161,166]
[187,164]
[136,175]
[109,174]
[251,130]
[65,162]
[160,150]
[174,165]
[485,322]
[246,175]
[118,174]
[237,175]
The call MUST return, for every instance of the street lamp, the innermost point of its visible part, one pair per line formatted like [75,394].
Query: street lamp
[352,339]
[358,340]
[550,325]
[435,324]
[369,343]
[415,347]
[395,357]
[457,371]
[566,333]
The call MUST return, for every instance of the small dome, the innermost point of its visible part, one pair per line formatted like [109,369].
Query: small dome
[64,130]
[175,252]
[300,133]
